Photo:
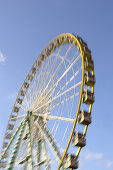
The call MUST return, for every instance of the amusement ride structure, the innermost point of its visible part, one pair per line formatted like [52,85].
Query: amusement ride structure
[50,117]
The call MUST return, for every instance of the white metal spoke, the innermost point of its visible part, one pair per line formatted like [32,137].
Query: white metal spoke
[62,57]
[75,74]
[66,71]
[29,97]
[57,70]
[23,107]
[38,150]
[46,156]
[42,76]
[76,85]
[65,67]
[44,136]
[18,117]
[56,84]
[61,102]
[69,111]
[52,142]
[46,76]
[32,98]
[40,163]
[51,70]
[54,117]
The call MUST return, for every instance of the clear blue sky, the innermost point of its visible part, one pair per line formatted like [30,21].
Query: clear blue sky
[26,26]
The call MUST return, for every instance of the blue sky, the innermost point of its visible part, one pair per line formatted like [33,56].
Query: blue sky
[27,26]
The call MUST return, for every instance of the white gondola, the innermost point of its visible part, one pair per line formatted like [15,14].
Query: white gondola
[84,118]
[88,97]
[42,57]
[89,65]
[26,85]
[8,136]
[33,70]
[38,63]
[5,144]
[16,109]
[22,93]
[10,126]
[30,77]
[19,101]
[52,46]
[58,42]
[47,52]
[78,140]
[13,117]
[71,162]
[89,79]
[87,52]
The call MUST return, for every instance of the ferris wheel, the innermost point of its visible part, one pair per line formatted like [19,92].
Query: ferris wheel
[49,120]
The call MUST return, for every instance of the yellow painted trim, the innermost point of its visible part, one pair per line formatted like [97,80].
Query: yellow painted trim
[80,100]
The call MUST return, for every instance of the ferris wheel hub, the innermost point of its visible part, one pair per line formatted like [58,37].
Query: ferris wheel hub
[29,114]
